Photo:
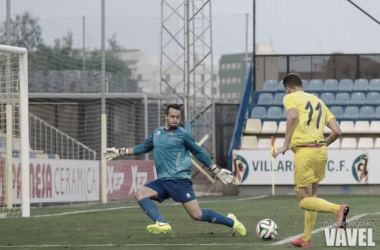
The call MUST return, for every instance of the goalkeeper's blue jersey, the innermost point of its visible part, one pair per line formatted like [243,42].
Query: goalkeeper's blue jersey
[172,152]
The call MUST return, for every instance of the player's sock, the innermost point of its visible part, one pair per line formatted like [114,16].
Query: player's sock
[318,205]
[151,210]
[310,218]
[215,217]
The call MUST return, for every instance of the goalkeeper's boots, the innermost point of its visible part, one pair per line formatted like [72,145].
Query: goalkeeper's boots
[238,226]
[300,243]
[341,216]
[159,228]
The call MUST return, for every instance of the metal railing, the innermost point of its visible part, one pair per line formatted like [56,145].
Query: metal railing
[45,138]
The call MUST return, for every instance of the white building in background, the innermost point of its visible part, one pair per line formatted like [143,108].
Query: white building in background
[146,70]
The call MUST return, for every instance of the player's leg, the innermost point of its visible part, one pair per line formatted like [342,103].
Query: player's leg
[310,168]
[209,215]
[144,197]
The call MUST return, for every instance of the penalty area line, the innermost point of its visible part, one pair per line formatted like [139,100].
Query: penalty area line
[281,242]
[131,207]
[137,244]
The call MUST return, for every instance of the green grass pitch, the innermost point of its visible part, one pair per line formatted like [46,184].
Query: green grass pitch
[123,225]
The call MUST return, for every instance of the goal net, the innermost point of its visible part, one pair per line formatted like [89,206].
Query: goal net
[14,134]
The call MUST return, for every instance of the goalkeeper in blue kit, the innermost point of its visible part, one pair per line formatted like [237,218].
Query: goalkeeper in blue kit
[172,147]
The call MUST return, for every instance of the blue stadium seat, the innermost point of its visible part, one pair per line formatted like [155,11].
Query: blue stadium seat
[280,87]
[270,85]
[342,98]
[374,84]
[278,98]
[373,98]
[284,114]
[346,85]
[361,84]
[259,112]
[331,85]
[316,94]
[315,85]
[274,113]
[328,98]
[367,112]
[377,113]
[265,99]
[351,112]
[357,98]
[337,111]
[305,85]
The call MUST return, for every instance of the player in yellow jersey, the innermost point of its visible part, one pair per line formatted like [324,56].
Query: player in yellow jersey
[306,117]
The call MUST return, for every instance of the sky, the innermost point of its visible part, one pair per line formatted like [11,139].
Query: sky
[289,26]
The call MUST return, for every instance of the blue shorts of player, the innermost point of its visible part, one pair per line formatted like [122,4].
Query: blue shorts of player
[179,189]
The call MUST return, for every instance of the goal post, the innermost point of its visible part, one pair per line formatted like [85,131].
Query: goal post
[14,103]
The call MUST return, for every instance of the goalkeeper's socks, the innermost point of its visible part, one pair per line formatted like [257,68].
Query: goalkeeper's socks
[151,210]
[215,217]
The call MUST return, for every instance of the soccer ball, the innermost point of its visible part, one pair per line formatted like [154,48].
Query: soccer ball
[267,229]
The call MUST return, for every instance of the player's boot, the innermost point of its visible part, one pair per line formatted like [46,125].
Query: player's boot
[300,243]
[341,216]
[159,228]
[238,226]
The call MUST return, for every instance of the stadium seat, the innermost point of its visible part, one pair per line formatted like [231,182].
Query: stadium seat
[348,143]
[361,84]
[315,94]
[365,143]
[265,99]
[366,112]
[270,85]
[264,143]
[326,130]
[361,127]
[279,142]
[281,127]
[357,98]
[342,98]
[284,114]
[374,127]
[346,85]
[374,85]
[274,113]
[328,98]
[330,85]
[280,86]
[315,85]
[347,127]
[305,84]
[351,112]
[248,142]
[337,111]
[335,144]
[377,143]
[373,98]
[252,126]
[269,127]
[278,98]
[259,112]
[377,113]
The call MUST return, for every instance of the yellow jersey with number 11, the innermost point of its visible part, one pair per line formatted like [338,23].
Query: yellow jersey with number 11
[312,116]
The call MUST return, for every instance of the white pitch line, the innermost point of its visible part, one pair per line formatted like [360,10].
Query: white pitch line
[137,244]
[281,242]
[129,207]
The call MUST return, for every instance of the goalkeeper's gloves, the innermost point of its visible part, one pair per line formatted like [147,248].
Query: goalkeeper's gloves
[222,174]
[112,153]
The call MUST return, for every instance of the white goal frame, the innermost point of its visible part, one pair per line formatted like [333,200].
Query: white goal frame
[24,124]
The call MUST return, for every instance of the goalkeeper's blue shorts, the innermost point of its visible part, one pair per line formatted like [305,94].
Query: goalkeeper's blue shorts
[180,189]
